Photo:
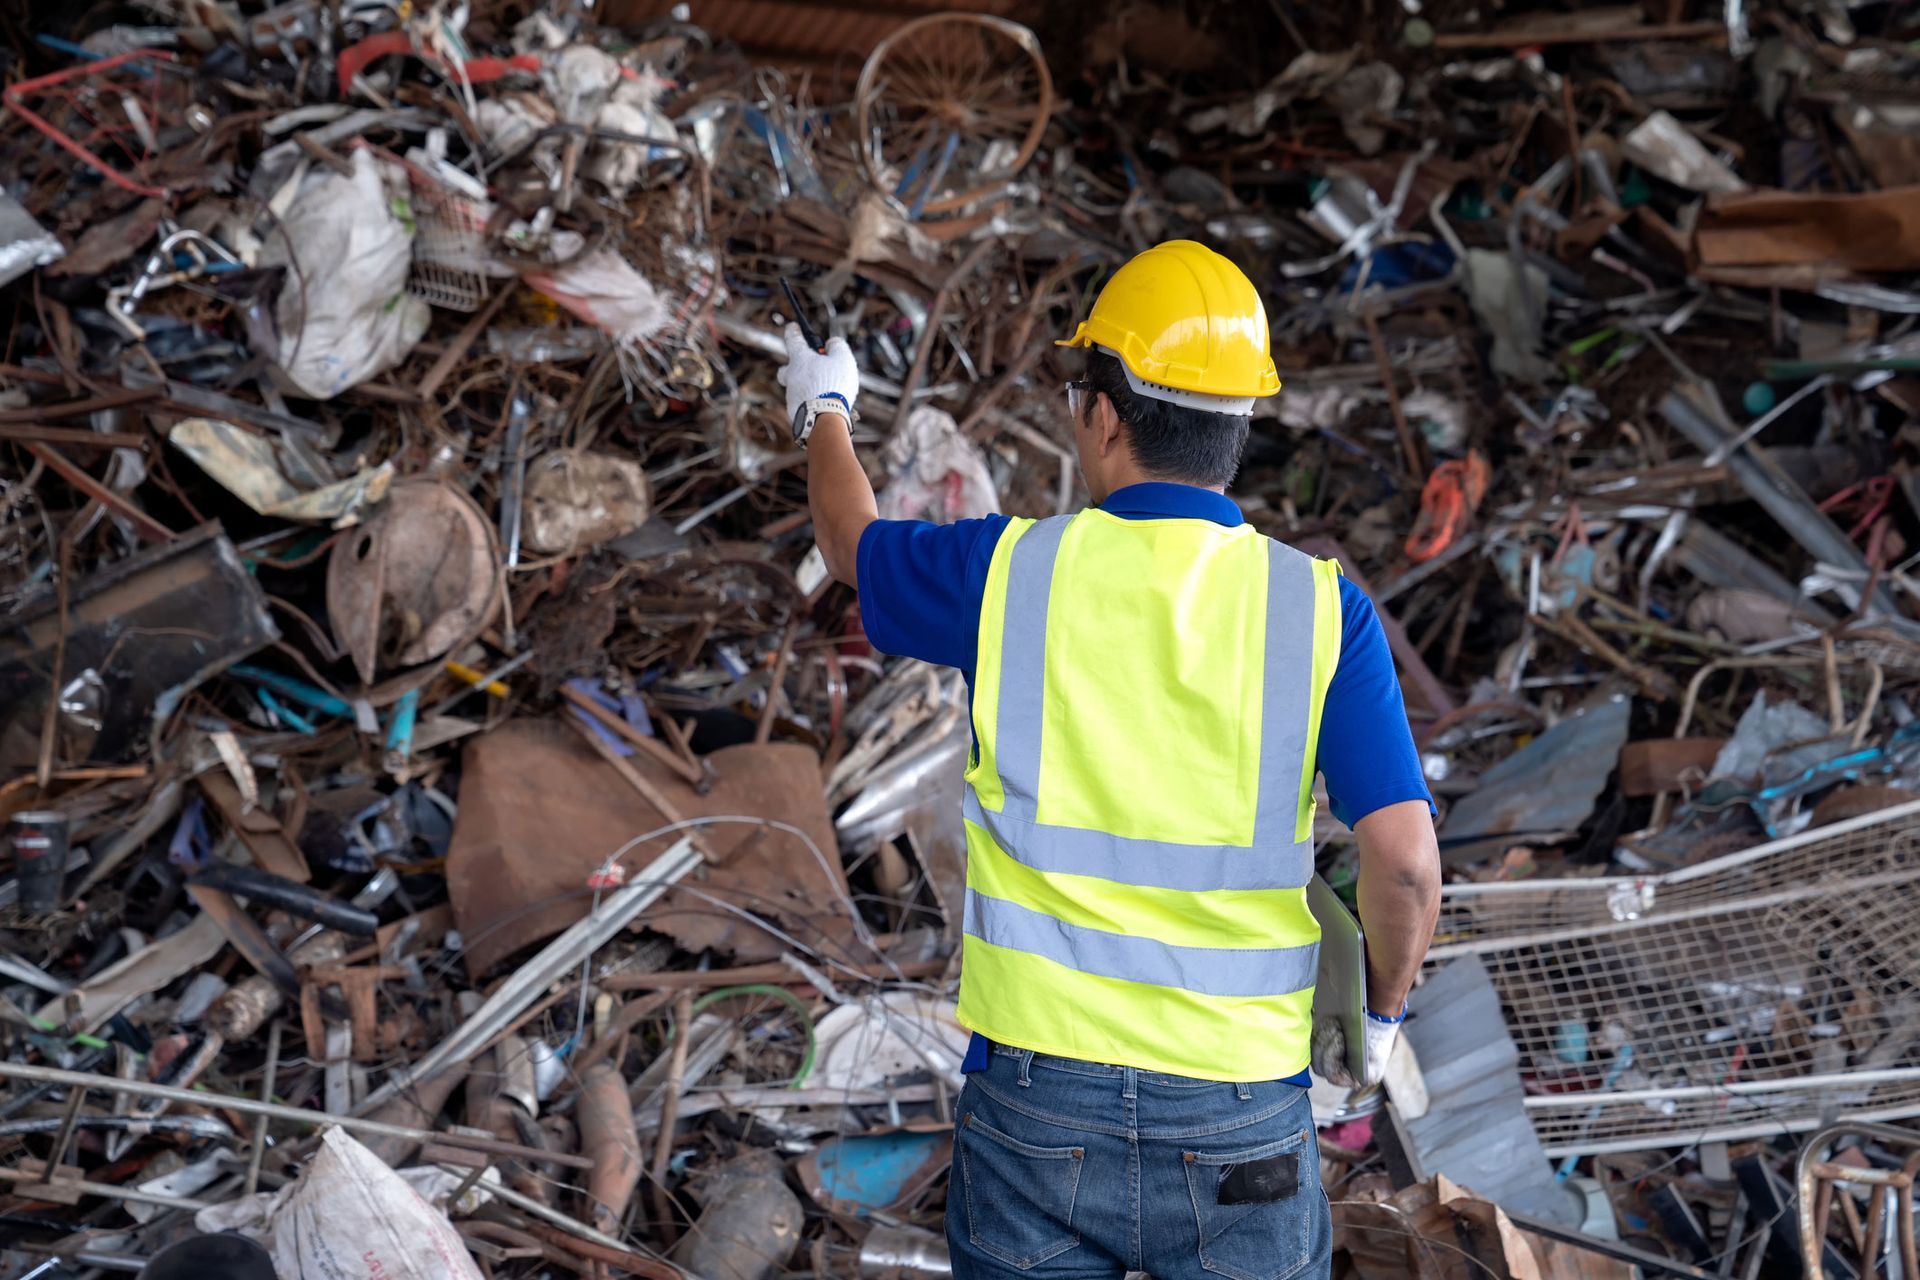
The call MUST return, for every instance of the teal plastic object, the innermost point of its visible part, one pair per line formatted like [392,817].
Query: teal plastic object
[1758,398]
[865,1173]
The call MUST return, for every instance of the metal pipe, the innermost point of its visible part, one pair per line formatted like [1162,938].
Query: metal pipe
[251,1106]
[1779,495]
[580,940]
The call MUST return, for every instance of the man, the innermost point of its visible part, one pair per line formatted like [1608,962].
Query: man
[1153,684]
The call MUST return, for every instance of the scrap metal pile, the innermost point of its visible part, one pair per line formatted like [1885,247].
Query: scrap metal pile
[423,711]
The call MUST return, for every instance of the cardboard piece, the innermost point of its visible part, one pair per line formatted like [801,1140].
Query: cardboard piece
[1821,237]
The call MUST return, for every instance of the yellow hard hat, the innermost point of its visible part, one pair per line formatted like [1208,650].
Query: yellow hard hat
[1188,327]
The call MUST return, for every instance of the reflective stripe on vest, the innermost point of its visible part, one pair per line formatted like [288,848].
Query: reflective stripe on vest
[1195,957]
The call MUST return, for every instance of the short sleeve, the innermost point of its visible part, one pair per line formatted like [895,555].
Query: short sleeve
[1366,746]
[921,585]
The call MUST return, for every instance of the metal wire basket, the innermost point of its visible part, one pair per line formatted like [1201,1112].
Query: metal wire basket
[1755,994]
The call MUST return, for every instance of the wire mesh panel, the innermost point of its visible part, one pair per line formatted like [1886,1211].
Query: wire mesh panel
[1762,992]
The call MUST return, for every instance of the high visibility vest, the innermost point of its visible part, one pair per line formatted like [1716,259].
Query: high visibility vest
[1139,808]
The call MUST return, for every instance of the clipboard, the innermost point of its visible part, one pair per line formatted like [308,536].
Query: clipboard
[1340,986]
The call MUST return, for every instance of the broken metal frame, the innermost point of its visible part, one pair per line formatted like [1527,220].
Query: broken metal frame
[1897,1184]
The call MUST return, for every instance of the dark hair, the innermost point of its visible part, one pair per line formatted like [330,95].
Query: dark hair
[1172,441]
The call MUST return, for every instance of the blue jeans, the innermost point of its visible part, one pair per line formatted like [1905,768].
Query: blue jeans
[1066,1169]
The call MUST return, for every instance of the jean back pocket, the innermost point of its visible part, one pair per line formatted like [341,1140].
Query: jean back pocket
[1019,1197]
[1256,1208]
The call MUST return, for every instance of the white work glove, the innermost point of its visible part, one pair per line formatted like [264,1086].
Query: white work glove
[1329,1049]
[817,382]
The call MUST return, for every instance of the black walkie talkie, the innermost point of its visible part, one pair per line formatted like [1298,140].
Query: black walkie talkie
[807,332]
[811,336]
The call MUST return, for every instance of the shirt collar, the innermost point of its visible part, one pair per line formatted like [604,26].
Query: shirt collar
[1159,500]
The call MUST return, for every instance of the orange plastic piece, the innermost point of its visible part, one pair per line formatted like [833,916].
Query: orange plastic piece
[1451,495]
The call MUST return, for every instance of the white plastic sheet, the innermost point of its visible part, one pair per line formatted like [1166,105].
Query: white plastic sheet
[344,313]
[603,289]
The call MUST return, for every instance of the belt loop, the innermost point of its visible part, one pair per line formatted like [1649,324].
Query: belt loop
[1026,1065]
[1129,1082]
[1244,1090]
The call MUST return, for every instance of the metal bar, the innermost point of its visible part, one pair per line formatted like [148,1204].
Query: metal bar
[253,1107]
[527,1204]
[1602,884]
[1770,1128]
[1709,32]
[58,1156]
[266,1095]
[1778,494]
[1408,445]
[1421,572]
[652,746]
[106,1189]
[120,399]
[74,475]
[1599,929]
[70,435]
[1609,1248]
[530,979]
[1834,1080]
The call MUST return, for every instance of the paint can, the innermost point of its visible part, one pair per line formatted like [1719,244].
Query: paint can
[39,838]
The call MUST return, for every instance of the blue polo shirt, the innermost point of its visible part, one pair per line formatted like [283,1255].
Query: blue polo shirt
[921,586]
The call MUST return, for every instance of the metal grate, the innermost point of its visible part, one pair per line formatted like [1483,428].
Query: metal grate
[1758,993]
[449,245]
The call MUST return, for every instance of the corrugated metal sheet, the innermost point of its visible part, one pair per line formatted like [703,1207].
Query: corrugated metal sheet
[822,33]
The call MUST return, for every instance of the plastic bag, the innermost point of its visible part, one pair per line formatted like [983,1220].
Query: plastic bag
[344,313]
[348,1217]
[938,474]
[603,289]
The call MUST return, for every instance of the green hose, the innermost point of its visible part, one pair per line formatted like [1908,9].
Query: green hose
[784,996]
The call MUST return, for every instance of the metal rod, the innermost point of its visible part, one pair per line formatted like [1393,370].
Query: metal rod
[250,1106]
[58,1156]
[669,1110]
[1778,494]
[513,996]
[1795,1084]
[527,1204]
[1598,929]
[652,746]
[266,1095]
[106,1189]
[1606,1248]
[1601,884]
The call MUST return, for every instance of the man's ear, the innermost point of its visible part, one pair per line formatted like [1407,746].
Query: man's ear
[1106,425]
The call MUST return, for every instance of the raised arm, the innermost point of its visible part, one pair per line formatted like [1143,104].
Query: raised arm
[821,388]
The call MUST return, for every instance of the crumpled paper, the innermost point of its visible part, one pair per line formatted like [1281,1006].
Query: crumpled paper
[938,474]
